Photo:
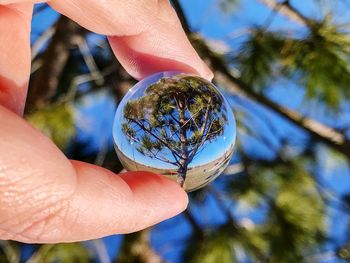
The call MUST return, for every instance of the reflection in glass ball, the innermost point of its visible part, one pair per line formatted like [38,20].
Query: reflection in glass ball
[177,125]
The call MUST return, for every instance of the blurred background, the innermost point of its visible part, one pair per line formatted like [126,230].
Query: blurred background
[285,68]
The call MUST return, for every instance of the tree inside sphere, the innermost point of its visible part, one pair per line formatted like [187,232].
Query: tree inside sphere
[178,125]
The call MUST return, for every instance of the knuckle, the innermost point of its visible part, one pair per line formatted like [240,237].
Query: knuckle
[30,213]
[31,200]
[43,225]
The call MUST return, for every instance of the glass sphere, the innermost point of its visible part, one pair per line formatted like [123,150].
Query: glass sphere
[177,125]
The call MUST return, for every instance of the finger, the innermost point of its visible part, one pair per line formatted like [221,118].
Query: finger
[124,204]
[14,54]
[46,198]
[146,35]
[8,2]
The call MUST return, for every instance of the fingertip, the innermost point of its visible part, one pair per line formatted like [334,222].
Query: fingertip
[105,203]
[146,54]
[162,192]
[207,73]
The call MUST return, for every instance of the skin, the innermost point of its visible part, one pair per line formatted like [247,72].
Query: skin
[46,198]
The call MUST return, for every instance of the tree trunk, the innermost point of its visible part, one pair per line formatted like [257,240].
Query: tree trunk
[183,139]
[181,176]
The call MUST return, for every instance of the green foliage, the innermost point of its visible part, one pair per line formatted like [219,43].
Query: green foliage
[322,58]
[319,61]
[63,253]
[9,252]
[294,224]
[56,121]
[257,57]
[296,218]
[176,117]
[213,248]
[344,252]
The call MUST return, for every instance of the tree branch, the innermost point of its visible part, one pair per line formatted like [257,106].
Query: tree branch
[155,155]
[45,81]
[137,248]
[200,140]
[317,130]
[162,158]
[89,60]
[285,9]
[41,40]
[172,116]
[197,229]
[155,136]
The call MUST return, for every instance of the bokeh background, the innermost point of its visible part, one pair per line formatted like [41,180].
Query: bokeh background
[285,197]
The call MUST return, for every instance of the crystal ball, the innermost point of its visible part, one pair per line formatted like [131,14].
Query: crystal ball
[177,125]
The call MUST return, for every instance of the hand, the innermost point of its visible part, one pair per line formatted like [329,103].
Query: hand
[45,197]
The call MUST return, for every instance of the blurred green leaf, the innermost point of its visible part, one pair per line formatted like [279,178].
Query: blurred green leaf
[257,57]
[295,222]
[55,121]
[9,252]
[63,253]
[344,252]
[319,62]
[322,59]
[213,248]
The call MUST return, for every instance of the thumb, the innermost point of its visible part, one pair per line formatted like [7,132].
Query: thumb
[45,198]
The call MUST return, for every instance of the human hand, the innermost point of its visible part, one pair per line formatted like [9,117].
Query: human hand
[46,198]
